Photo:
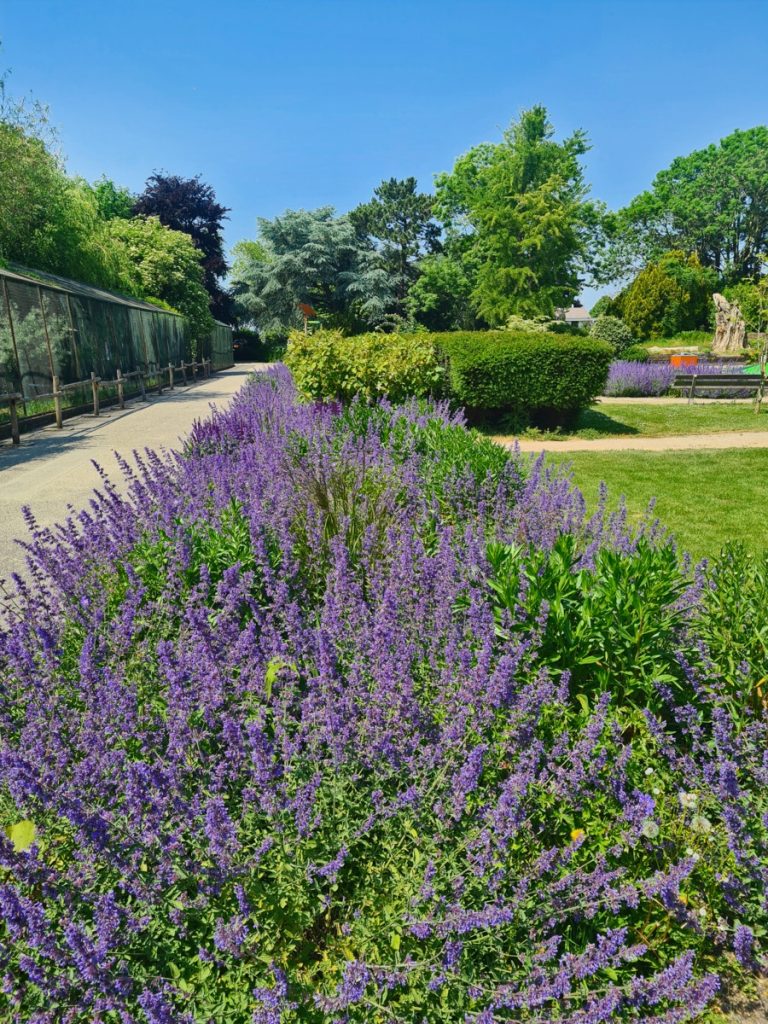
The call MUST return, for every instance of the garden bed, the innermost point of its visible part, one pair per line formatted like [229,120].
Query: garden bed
[345,714]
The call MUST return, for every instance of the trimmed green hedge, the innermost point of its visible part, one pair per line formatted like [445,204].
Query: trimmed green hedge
[544,378]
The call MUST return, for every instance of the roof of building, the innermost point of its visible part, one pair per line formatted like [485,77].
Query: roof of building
[577,313]
[15,271]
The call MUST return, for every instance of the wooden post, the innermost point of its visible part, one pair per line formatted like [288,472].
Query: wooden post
[57,403]
[184,372]
[141,385]
[693,385]
[15,439]
[194,369]
[120,390]
[170,376]
[95,390]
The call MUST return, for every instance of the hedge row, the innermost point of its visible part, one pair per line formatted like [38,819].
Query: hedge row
[546,378]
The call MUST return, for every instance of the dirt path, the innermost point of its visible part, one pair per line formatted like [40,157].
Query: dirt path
[676,443]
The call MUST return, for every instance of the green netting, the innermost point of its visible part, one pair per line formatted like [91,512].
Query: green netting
[53,327]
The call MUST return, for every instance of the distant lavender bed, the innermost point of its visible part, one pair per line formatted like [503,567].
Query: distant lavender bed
[644,380]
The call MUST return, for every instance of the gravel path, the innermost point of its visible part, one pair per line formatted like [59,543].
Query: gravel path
[677,443]
[52,469]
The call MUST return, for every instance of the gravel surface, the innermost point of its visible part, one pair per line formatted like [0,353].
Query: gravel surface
[681,443]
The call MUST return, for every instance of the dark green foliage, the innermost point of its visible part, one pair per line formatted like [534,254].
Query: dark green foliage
[545,377]
[672,295]
[398,221]
[713,202]
[441,298]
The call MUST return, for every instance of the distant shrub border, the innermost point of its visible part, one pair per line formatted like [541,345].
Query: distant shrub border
[539,377]
[545,378]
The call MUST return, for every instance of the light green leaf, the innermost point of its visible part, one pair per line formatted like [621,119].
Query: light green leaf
[274,667]
[22,834]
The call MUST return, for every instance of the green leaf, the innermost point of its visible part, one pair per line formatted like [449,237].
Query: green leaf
[394,941]
[274,667]
[22,834]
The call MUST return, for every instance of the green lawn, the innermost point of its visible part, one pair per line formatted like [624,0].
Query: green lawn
[643,419]
[705,498]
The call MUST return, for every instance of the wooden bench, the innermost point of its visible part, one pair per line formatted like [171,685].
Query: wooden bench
[692,382]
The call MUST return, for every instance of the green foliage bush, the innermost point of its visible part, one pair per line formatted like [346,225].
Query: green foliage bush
[636,354]
[328,364]
[753,302]
[538,325]
[613,330]
[672,295]
[603,306]
[542,377]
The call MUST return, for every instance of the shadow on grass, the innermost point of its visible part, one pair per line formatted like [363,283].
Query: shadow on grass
[590,424]
[592,420]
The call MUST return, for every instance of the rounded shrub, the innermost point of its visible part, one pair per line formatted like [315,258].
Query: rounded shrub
[546,379]
[636,354]
[613,330]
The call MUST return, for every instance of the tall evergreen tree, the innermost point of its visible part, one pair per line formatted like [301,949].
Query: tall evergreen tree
[399,221]
[523,203]
[310,257]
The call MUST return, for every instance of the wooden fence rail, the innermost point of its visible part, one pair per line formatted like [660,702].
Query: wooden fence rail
[97,383]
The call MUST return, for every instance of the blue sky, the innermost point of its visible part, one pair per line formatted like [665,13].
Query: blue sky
[297,104]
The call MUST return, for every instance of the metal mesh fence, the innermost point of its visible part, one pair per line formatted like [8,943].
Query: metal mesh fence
[50,326]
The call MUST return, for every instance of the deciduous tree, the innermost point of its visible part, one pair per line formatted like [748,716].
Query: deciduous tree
[166,265]
[190,205]
[713,202]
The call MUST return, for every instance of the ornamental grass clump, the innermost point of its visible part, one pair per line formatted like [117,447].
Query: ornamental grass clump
[345,715]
